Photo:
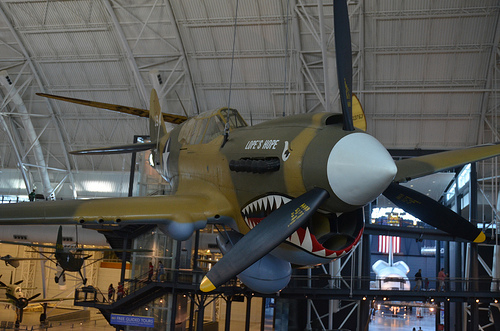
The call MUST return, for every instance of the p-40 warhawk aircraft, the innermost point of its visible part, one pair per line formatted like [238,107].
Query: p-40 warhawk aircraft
[293,188]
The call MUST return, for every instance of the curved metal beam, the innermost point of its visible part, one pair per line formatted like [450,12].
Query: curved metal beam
[13,94]
[41,86]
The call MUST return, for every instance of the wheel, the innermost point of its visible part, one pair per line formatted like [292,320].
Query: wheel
[56,279]
[84,281]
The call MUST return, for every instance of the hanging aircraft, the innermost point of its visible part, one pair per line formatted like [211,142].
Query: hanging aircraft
[14,261]
[69,258]
[293,187]
[17,299]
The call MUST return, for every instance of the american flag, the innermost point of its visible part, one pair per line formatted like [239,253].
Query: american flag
[383,244]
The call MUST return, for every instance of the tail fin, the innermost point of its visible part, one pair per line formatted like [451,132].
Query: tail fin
[158,134]
[59,242]
[156,122]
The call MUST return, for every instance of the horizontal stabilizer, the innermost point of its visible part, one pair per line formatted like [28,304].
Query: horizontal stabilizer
[171,118]
[116,149]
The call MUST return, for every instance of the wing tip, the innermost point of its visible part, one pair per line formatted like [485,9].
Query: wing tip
[206,285]
[480,238]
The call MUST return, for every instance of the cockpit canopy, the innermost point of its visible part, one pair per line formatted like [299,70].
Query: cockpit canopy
[209,125]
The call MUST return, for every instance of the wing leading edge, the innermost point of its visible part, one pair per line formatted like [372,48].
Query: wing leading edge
[428,164]
[176,215]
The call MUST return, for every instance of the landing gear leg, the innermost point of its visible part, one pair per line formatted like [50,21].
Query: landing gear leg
[43,315]
[19,317]
[61,276]
[84,280]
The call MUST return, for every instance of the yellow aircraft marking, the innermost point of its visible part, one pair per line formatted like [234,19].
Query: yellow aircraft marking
[298,213]
[480,238]
[206,285]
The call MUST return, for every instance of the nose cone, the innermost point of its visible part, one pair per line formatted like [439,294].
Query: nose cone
[359,169]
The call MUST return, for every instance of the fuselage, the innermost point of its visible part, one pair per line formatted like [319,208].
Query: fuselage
[260,168]
[15,292]
[70,261]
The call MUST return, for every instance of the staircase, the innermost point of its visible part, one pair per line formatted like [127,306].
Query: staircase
[140,294]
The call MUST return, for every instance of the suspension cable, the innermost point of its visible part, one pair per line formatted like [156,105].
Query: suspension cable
[286,55]
[226,128]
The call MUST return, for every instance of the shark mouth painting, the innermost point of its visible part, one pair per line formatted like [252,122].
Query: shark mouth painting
[304,238]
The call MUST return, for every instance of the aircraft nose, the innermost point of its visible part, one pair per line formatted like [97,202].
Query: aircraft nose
[359,169]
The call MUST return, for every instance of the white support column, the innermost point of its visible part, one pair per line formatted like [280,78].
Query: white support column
[495,272]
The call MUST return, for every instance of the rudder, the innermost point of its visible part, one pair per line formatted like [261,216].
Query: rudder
[156,122]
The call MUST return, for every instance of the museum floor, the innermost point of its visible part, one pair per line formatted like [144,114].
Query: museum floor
[31,321]
[97,322]
[381,323]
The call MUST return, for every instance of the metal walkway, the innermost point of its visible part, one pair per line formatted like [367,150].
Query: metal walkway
[141,292]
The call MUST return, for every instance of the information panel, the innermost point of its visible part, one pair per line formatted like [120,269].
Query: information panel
[118,319]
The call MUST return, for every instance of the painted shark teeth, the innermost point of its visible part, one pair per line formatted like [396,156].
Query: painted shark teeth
[267,203]
[258,209]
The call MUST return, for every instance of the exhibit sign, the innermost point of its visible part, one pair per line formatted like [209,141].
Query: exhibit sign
[118,319]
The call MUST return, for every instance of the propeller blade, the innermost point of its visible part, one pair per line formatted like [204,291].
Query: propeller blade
[343,53]
[33,297]
[264,237]
[18,282]
[10,296]
[433,213]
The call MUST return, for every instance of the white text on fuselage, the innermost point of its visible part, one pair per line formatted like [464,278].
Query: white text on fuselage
[262,144]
